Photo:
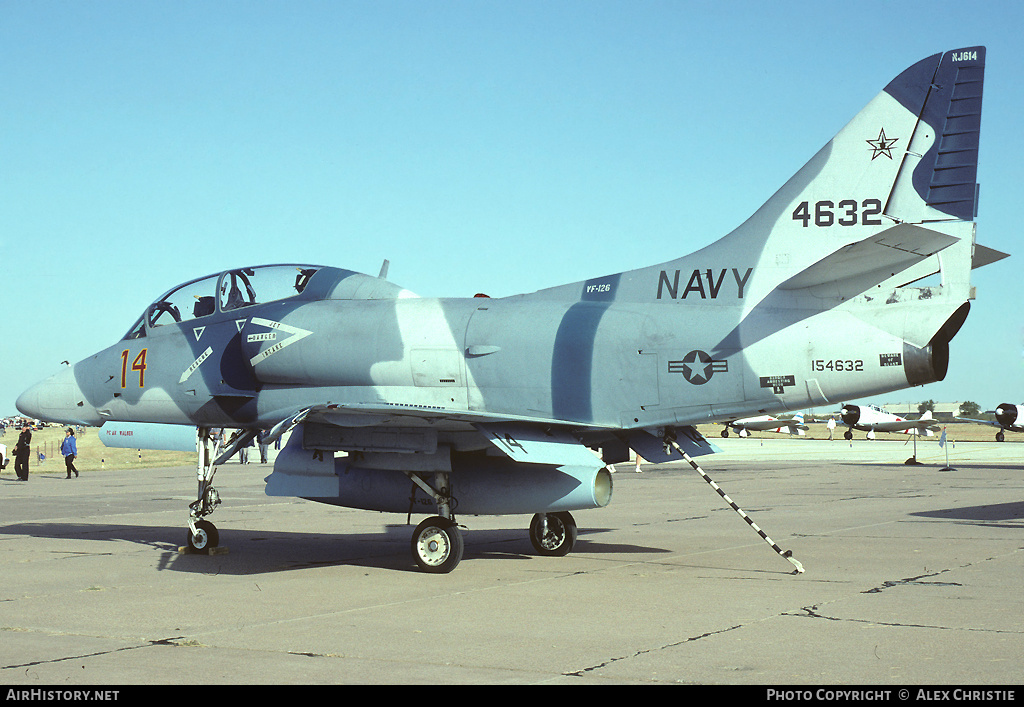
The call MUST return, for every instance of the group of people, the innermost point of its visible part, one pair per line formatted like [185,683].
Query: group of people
[243,451]
[68,448]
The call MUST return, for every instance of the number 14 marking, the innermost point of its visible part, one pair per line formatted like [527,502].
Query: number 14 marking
[138,365]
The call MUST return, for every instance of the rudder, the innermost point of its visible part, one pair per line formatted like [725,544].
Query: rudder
[938,175]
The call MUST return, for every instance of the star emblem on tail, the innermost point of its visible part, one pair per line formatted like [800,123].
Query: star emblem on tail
[882,145]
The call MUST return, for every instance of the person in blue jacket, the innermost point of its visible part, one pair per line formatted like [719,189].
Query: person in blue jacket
[69,448]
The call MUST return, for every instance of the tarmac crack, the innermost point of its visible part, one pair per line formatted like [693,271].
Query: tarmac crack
[315,655]
[811,612]
[637,654]
[147,644]
[913,580]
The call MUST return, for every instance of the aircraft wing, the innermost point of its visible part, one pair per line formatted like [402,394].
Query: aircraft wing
[904,425]
[653,449]
[524,439]
[373,414]
[766,425]
[532,444]
[993,423]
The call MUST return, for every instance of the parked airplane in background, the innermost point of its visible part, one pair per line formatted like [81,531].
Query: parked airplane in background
[766,423]
[1008,417]
[492,406]
[873,419]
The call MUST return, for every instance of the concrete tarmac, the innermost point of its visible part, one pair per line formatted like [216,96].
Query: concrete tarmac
[913,576]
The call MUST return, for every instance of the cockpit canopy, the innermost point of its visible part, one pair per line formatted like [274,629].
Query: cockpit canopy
[224,292]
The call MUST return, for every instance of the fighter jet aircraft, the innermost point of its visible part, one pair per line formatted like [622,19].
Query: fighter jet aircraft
[1008,417]
[477,406]
[766,423]
[871,419]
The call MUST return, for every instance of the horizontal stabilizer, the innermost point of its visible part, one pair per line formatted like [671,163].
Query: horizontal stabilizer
[858,266]
[983,255]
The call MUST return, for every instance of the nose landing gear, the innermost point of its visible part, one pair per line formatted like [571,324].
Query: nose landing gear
[202,534]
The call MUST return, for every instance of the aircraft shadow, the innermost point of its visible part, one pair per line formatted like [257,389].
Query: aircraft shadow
[262,552]
[1000,515]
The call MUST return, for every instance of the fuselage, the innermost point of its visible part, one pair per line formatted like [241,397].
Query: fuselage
[594,362]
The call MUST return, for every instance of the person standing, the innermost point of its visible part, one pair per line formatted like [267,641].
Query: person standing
[21,452]
[261,440]
[69,448]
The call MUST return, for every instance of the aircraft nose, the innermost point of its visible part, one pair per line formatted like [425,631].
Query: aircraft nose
[58,399]
[28,402]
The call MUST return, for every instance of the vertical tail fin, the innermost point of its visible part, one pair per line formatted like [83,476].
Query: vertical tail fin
[910,156]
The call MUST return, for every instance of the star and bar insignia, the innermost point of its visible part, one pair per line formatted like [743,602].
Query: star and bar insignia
[697,367]
[882,145]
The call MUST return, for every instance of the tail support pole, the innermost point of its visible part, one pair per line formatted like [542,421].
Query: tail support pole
[788,554]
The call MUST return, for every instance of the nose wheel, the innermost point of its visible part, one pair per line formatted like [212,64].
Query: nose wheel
[204,537]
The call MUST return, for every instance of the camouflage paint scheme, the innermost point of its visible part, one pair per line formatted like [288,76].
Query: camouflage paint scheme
[809,302]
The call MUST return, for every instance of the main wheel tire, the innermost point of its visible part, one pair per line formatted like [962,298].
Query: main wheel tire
[206,536]
[560,537]
[437,545]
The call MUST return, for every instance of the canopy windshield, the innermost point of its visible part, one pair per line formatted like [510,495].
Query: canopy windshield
[227,291]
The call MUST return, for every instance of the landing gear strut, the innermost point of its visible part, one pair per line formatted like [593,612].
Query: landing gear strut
[203,534]
[437,541]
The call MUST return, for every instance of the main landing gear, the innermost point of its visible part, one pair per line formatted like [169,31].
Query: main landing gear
[437,543]
[553,534]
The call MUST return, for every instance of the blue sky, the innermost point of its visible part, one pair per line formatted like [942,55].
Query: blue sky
[479,146]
